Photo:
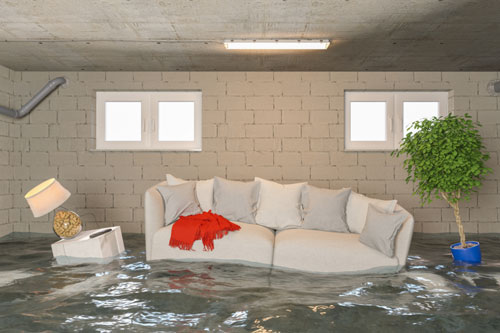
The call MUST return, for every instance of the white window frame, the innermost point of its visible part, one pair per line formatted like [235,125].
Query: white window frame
[149,120]
[394,115]
[417,96]
[386,97]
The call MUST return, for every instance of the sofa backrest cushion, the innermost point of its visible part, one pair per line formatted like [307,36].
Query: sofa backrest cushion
[179,200]
[324,209]
[357,209]
[381,228]
[279,205]
[236,201]
[204,190]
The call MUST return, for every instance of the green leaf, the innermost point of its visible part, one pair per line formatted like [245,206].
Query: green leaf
[444,155]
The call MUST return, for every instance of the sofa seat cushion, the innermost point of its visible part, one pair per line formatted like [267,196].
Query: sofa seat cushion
[328,252]
[251,244]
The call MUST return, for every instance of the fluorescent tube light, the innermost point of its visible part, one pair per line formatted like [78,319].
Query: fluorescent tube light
[277,44]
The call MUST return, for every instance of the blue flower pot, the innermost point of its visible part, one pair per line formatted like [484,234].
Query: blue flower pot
[470,255]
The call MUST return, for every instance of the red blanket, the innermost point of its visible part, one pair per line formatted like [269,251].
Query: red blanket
[206,226]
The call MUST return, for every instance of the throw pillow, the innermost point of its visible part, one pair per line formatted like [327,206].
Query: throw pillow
[179,200]
[204,190]
[381,229]
[236,201]
[357,207]
[325,209]
[279,205]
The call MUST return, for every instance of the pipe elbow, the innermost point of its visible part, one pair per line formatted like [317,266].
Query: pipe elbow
[57,82]
[35,100]
[9,112]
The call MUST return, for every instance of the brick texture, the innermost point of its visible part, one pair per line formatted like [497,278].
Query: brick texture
[10,133]
[284,126]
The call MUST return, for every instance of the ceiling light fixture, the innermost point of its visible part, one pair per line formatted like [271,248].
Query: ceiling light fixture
[277,44]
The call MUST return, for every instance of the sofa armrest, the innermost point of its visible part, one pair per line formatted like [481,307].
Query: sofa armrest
[403,239]
[154,215]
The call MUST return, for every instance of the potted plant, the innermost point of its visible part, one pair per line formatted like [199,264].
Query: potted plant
[445,160]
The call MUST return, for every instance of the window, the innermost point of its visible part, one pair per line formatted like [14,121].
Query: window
[376,120]
[154,120]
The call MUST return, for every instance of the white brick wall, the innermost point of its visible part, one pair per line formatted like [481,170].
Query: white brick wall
[9,134]
[285,126]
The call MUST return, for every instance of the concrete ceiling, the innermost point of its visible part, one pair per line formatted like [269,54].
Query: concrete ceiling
[444,35]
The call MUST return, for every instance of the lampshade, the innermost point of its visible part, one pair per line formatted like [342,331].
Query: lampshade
[46,197]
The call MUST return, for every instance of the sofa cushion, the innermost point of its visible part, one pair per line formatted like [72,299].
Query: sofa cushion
[236,201]
[251,244]
[204,190]
[324,209]
[328,252]
[279,205]
[179,200]
[381,229]
[357,208]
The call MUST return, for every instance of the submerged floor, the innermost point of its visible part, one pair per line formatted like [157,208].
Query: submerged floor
[128,294]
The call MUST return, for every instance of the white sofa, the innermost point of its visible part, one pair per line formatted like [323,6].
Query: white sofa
[298,249]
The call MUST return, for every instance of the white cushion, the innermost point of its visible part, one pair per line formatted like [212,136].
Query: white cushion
[328,252]
[324,209]
[204,190]
[179,200]
[357,208]
[251,244]
[279,205]
[236,200]
[381,229]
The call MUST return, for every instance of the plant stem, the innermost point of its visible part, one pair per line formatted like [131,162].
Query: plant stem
[458,219]
[456,211]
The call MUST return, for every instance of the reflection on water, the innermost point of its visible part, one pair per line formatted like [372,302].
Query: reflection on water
[128,294]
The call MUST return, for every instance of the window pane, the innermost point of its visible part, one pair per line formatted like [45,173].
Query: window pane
[413,111]
[368,121]
[123,121]
[176,121]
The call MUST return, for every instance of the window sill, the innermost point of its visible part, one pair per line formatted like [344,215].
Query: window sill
[142,149]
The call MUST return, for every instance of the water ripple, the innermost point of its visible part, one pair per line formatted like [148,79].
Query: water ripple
[128,294]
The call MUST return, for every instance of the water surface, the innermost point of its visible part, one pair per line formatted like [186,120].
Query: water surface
[128,294]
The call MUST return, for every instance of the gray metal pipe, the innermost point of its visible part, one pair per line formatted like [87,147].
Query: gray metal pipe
[35,100]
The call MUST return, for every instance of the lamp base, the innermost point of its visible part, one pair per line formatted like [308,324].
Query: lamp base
[67,224]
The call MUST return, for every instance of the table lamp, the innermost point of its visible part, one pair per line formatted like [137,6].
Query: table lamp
[46,197]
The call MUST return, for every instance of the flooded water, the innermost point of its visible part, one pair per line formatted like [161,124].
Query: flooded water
[128,294]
